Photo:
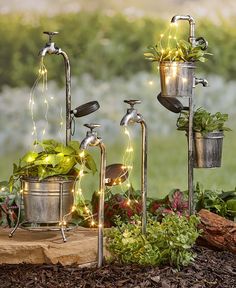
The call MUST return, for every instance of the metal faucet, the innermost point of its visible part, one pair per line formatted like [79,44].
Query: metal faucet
[200,41]
[92,139]
[132,116]
[50,48]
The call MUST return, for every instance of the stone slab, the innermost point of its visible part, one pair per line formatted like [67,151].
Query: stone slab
[48,247]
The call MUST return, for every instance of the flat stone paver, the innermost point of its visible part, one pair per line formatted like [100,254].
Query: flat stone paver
[48,247]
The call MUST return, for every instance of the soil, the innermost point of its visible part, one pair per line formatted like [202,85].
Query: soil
[213,269]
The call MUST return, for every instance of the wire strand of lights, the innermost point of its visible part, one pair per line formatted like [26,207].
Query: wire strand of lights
[42,75]
[78,192]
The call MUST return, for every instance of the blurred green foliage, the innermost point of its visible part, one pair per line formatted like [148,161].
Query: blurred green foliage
[104,46]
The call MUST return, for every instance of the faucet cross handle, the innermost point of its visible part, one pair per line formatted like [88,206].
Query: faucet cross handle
[92,126]
[132,102]
[50,35]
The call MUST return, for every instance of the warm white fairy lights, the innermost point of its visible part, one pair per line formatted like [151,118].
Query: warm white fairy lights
[78,193]
[42,78]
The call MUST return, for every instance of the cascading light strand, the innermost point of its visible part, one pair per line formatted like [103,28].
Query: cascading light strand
[128,159]
[42,76]
[78,193]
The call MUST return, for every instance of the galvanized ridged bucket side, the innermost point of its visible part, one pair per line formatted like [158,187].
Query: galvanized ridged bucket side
[42,199]
[208,149]
[177,78]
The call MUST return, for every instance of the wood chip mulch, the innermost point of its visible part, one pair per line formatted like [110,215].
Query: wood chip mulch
[213,269]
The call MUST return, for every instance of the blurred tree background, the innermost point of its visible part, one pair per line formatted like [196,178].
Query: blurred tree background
[105,44]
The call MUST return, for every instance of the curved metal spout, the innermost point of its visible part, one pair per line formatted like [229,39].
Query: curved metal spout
[191,21]
[204,82]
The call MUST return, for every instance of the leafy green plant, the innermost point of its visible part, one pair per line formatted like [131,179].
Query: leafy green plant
[168,242]
[52,159]
[182,52]
[222,203]
[203,121]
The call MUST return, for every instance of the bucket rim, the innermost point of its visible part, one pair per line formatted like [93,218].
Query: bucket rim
[178,63]
[60,178]
[209,135]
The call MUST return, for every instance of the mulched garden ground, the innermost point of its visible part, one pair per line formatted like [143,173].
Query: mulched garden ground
[210,269]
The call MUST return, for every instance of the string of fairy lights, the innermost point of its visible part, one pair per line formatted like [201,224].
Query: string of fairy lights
[40,87]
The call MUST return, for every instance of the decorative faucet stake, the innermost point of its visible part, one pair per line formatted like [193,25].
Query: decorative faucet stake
[194,42]
[50,48]
[92,139]
[132,116]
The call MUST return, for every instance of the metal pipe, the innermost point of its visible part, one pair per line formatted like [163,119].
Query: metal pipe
[132,116]
[191,21]
[101,203]
[144,176]
[50,48]
[91,139]
[190,158]
[68,95]
[61,213]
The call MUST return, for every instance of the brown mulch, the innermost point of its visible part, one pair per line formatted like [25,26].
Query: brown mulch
[213,269]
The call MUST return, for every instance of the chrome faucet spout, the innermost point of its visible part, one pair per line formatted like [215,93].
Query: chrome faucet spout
[91,138]
[50,48]
[87,141]
[130,117]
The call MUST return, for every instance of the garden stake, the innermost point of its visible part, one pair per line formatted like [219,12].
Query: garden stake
[50,48]
[194,42]
[92,139]
[132,116]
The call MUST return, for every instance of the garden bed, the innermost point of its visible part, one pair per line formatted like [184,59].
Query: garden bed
[210,269]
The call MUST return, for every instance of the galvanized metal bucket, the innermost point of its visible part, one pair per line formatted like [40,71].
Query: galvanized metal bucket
[47,200]
[177,78]
[207,149]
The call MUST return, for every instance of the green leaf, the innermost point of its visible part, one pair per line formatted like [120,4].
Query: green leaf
[50,159]
[29,157]
[75,145]
[66,150]
[90,163]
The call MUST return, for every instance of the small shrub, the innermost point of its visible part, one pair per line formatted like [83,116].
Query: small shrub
[166,242]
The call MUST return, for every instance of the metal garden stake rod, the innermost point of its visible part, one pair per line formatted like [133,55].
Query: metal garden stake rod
[194,41]
[92,139]
[50,48]
[132,116]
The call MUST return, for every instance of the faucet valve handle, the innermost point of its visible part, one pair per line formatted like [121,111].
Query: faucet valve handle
[50,35]
[132,102]
[92,126]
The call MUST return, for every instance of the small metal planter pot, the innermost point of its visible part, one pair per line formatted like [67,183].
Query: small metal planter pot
[177,78]
[48,200]
[207,149]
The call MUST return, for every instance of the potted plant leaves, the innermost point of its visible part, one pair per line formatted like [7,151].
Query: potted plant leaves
[177,66]
[47,177]
[208,133]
